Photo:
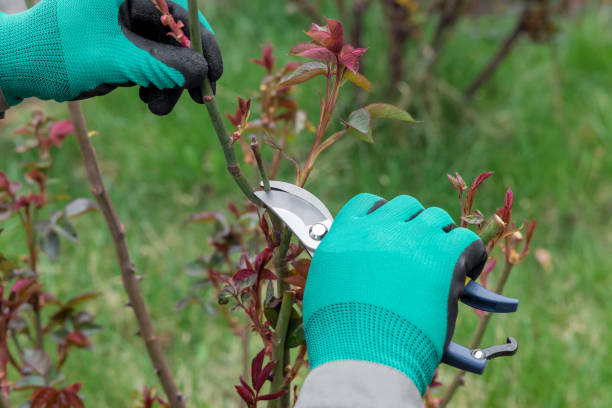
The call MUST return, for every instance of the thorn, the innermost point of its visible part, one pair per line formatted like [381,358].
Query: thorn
[208,99]
[139,278]
[138,333]
[157,371]
[128,304]
[180,396]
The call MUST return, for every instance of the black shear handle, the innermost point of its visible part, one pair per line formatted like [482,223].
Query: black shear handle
[475,361]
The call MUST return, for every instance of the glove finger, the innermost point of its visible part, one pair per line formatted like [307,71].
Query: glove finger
[401,208]
[358,206]
[474,256]
[435,217]
[101,90]
[175,67]
[196,93]
[470,263]
[160,102]
[210,47]
[143,27]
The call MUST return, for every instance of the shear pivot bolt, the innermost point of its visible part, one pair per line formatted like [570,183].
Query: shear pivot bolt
[317,231]
[478,354]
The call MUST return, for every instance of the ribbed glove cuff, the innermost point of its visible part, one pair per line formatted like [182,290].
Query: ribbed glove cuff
[356,331]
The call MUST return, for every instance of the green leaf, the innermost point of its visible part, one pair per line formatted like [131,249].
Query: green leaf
[50,245]
[6,210]
[358,79]
[271,313]
[7,265]
[31,381]
[295,337]
[187,301]
[84,297]
[38,360]
[386,111]
[65,228]
[473,219]
[201,284]
[304,73]
[197,268]
[225,295]
[360,125]
[79,207]
[59,336]
[90,328]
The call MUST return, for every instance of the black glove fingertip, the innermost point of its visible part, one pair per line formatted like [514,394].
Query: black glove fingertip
[196,95]
[160,102]
[212,52]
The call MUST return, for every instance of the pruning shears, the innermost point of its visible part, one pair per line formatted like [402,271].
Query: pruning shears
[310,220]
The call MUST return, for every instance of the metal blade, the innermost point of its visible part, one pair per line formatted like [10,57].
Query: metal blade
[300,210]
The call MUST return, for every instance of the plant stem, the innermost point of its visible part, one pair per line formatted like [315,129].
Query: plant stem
[282,325]
[26,222]
[476,337]
[327,110]
[260,163]
[503,51]
[4,401]
[215,115]
[128,271]
[492,228]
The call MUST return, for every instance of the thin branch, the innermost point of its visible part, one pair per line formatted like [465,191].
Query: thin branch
[358,11]
[477,337]
[451,11]
[281,355]
[282,325]
[260,163]
[400,28]
[503,51]
[128,271]
[215,115]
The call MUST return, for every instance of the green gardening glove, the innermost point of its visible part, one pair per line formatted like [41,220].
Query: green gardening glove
[384,284]
[76,49]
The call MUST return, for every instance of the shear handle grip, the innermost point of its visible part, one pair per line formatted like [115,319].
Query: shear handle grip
[480,298]
[461,357]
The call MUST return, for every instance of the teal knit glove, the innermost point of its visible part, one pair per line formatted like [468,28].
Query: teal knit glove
[384,284]
[68,50]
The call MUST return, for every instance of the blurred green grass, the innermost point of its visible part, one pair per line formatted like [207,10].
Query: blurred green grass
[543,124]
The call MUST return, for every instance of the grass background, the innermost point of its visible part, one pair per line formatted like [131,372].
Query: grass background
[543,124]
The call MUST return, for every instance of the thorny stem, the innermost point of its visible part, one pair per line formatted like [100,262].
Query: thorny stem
[477,336]
[299,362]
[280,354]
[215,115]
[128,271]
[503,51]
[282,325]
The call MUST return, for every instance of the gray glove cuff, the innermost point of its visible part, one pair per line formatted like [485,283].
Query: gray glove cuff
[358,384]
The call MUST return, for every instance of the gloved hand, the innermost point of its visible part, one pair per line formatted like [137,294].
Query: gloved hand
[384,283]
[68,50]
